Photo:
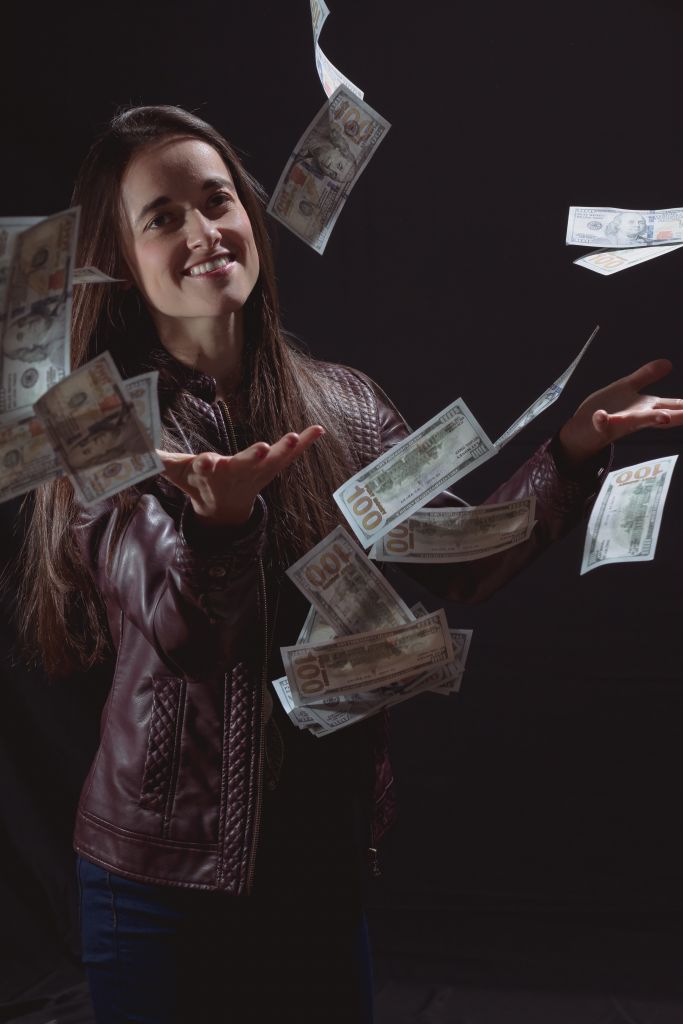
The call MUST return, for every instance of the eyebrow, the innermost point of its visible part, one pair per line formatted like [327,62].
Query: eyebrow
[160,201]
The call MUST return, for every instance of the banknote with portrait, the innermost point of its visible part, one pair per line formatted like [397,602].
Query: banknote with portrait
[326,164]
[36,328]
[609,227]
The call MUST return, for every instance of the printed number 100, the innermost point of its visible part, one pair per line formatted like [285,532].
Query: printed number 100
[310,675]
[363,507]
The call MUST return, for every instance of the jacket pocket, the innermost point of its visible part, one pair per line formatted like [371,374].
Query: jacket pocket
[163,745]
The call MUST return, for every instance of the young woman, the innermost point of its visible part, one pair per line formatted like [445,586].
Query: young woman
[220,849]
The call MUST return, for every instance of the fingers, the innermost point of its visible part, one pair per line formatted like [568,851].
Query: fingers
[649,373]
[193,473]
[615,425]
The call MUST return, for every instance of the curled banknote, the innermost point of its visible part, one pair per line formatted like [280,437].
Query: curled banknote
[545,400]
[608,227]
[604,262]
[625,519]
[36,330]
[328,160]
[101,441]
[457,534]
[330,76]
[350,593]
[407,476]
[366,660]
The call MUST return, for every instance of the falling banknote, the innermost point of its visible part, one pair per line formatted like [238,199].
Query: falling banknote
[607,263]
[330,76]
[351,594]
[407,476]
[608,227]
[101,441]
[36,326]
[328,160]
[457,534]
[365,661]
[545,400]
[625,520]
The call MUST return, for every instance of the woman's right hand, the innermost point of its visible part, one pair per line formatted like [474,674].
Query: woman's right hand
[223,488]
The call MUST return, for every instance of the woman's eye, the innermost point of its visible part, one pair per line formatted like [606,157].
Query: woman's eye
[160,220]
[220,199]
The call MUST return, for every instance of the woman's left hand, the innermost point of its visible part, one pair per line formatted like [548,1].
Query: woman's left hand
[620,409]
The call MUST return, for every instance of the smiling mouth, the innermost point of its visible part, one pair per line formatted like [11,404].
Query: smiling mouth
[219,263]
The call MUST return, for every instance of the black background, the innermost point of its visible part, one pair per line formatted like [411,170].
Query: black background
[552,783]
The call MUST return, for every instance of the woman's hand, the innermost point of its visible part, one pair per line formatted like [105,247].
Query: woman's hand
[223,488]
[620,409]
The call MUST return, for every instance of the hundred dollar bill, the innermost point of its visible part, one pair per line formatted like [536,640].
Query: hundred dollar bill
[457,534]
[545,400]
[609,227]
[351,594]
[607,263]
[625,520]
[328,160]
[142,392]
[366,660]
[330,76]
[27,458]
[35,344]
[404,478]
[91,275]
[102,443]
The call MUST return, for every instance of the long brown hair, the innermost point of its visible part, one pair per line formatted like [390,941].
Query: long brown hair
[61,615]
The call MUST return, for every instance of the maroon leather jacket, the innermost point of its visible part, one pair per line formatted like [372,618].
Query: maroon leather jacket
[175,792]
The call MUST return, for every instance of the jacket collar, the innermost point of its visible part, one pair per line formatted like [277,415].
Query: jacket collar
[175,376]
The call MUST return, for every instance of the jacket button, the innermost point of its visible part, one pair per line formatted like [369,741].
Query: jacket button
[216,570]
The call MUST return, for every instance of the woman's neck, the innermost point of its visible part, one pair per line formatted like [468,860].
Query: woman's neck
[213,345]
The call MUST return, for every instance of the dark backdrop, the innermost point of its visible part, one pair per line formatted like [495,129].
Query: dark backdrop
[552,783]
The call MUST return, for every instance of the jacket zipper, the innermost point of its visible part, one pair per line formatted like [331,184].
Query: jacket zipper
[264,675]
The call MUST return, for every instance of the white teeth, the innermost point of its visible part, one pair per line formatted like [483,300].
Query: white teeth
[204,268]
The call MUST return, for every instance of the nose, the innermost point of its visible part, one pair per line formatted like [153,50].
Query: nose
[202,233]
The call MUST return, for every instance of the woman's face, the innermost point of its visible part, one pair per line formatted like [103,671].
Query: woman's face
[186,237]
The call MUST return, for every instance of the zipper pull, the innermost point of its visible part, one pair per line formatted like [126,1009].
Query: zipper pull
[373,860]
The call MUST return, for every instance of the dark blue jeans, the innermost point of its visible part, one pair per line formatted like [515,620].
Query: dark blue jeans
[163,955]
